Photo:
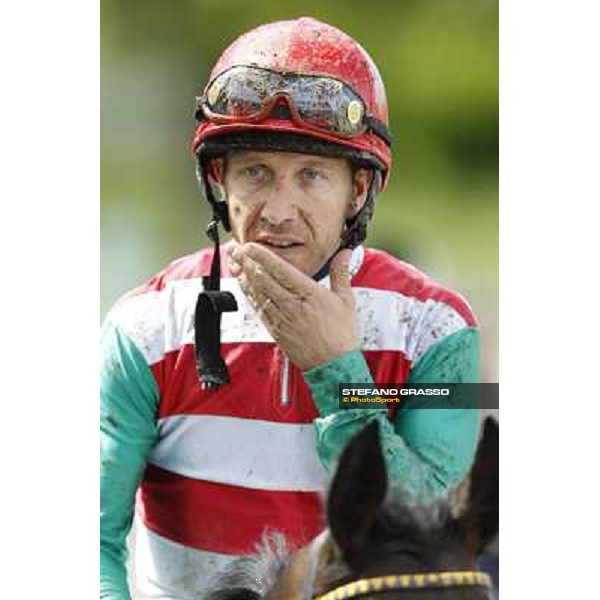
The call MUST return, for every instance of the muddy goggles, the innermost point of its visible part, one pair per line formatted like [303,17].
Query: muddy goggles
[322,103]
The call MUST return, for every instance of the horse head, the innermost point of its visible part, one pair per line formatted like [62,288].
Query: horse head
[378,544]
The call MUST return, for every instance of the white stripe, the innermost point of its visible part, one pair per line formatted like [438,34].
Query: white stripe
[393,321]
[160,322]
[244,452]
[141,318]
[166,570]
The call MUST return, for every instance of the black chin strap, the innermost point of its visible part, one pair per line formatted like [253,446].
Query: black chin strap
[356,230]
[353,236]
[212,303]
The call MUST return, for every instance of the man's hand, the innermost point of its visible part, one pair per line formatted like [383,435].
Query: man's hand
[309,322]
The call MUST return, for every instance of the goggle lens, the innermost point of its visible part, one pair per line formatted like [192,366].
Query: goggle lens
[320,102]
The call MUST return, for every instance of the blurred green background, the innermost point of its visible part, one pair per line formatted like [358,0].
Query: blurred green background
[439,61]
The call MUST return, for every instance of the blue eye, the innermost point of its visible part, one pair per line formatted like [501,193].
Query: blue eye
[311,174]
[255,172]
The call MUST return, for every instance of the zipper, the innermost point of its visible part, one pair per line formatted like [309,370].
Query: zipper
[285,382]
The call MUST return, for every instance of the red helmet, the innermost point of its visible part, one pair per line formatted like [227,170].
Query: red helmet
[295,59]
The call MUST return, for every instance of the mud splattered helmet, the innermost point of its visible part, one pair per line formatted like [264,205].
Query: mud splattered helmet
[296,86]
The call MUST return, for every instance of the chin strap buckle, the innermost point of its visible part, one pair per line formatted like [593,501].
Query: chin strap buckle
[210,366]
[211,304]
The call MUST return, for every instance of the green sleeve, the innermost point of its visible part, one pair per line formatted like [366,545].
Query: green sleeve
[128,402]
[426,449]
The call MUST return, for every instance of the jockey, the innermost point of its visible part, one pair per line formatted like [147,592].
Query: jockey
[220,416]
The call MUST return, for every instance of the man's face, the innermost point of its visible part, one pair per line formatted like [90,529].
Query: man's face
[293,204]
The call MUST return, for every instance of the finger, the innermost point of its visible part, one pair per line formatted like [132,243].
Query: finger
[267,310]
[234,267]
[263,285]
[232,263]
[280,270]
[273,313]
[254,294]
[339,275]
[237,260]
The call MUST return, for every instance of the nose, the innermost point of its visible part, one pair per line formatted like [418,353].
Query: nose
[280,205]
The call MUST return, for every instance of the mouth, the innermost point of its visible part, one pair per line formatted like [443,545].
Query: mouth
[279,243]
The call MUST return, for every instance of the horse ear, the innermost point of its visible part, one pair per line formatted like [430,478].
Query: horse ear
[479,522]
[357,491]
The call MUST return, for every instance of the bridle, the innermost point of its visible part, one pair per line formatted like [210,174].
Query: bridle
[404,582]
[409,582]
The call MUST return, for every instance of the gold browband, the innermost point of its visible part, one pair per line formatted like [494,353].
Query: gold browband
[408,582]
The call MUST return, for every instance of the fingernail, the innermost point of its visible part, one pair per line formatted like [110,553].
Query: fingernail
[249,249]
[234,267]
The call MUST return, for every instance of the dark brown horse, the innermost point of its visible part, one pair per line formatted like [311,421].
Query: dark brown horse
[377,548]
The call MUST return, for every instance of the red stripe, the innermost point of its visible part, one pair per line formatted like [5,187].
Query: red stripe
[382,271]
[224,518]
[258,369]
[187,267]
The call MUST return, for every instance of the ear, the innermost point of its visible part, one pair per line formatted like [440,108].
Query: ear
[360,189]
[479,521]
[357,491]
[216,171]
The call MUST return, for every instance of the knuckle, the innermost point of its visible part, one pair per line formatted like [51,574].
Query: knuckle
[274,327]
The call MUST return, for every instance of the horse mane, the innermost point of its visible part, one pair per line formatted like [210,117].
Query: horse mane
[251,577]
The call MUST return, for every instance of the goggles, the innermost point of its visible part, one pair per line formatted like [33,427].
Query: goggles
[317,102]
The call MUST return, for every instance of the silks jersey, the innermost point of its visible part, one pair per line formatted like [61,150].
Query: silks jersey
[209,472]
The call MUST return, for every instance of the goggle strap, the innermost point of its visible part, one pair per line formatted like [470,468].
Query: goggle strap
[379,129]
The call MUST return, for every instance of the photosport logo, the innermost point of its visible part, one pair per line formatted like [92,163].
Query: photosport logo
[430,395]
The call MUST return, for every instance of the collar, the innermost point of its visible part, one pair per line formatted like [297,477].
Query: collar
[356,261]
